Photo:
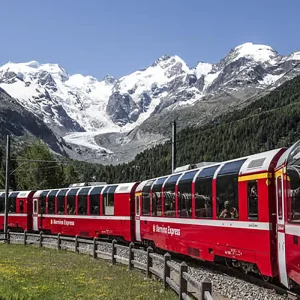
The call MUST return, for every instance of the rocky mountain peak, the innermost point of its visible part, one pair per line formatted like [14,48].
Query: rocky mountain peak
[31,70]
[32,64]
[256,52]
[294,56]
[203,68]
[163,58]
[108,79]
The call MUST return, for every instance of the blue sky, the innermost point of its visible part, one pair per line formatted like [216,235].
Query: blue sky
[117,37]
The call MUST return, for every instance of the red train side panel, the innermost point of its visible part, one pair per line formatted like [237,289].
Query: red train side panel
[97,211]
[19,210]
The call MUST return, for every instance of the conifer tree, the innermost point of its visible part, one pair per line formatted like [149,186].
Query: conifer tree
[70,175]
[38,175]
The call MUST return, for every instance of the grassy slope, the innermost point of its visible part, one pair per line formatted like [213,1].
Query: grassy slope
[32,273]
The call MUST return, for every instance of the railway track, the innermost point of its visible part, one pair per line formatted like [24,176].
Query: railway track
[249,277]
[236,273]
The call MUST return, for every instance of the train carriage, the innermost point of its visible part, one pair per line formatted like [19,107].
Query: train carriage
[223,210]
[287,178]
[19,210]
[105,211]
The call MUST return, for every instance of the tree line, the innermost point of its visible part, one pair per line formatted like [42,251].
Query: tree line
[270,122]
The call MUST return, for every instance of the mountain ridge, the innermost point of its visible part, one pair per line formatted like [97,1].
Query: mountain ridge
[88,113]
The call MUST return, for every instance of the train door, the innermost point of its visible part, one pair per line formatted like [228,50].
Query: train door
[35,214]
[137,217]
[20,206]
[281,245]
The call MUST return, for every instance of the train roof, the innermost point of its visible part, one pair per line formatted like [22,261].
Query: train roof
[120,188]
[259,162]
[23,194]
[255,163]
[290,156]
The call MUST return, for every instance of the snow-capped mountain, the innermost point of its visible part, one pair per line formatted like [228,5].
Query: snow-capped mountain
[104,115]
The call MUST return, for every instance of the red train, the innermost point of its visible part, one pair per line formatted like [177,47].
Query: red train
[246,211]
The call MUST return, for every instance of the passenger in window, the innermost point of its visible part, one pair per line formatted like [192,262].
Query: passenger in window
[21,207]
[95,210]
[253,191]
[204,212]
[229,211]
[71,210]
[50,208]
[207,207]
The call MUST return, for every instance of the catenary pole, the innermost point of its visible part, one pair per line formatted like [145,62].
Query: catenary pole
[173,146]
[6,184]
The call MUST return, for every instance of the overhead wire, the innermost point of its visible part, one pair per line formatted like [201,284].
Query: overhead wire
[33,169]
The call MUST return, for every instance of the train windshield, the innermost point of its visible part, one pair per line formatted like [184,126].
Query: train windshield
[293,183]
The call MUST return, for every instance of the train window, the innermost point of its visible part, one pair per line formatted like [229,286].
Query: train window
[71,202]
[12,202]
[293,174]
[61,202]
[137,203]
[146,198]
[2,203]
[42,201]
[227,190]
[203,192]
[157,197]
[51,201]
[227,196]
[252,200]
[256,163]
[185,194]
[232,167]
[21,204]
[35,211]
[279,196]
[109,200]
[203,197]
[94,199]
[208,172]
[169,196]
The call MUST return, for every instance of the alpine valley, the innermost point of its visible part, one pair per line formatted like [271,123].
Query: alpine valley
[111,120]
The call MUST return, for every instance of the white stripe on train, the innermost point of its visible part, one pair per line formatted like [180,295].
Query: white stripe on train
[289,228]
[118,218]
[292,229]
[209,222]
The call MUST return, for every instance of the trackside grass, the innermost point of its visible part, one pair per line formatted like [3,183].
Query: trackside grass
[33,273]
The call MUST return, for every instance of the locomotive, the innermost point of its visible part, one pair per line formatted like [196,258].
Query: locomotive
[245,211]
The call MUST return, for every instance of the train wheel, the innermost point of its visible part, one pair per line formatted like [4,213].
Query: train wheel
[228,262]
[265,278]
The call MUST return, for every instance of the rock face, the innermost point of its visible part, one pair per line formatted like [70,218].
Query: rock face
[122,109]
[15,120]
[80,108]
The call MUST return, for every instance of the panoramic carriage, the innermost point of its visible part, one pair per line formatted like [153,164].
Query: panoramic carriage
[105,211]
[287,178]
[19,210]
[224,210]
